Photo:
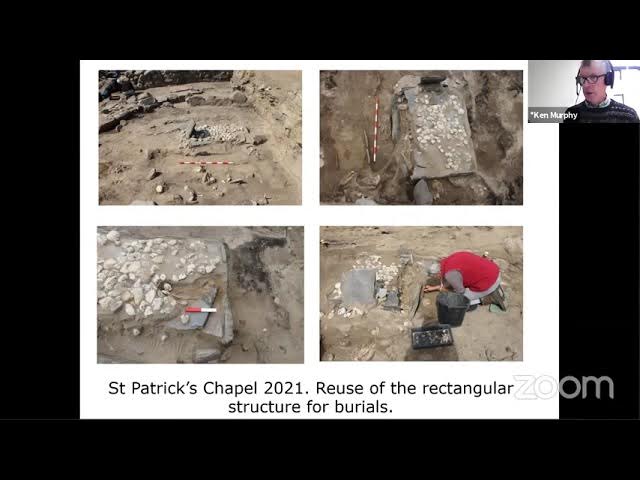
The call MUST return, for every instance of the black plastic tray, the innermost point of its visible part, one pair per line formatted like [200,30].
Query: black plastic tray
[432,336]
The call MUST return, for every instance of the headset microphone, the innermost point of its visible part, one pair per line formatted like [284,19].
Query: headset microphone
[577,86]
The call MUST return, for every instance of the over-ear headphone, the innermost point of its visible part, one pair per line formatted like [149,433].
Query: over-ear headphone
[611,74]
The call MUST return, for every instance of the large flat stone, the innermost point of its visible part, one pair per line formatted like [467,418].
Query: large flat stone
[441,131]
[418,173]
[358,288]
[419,159]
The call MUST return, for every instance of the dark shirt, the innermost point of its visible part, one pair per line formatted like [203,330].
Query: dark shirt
[615,112]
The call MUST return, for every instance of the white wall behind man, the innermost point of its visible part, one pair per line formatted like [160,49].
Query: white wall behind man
[552,83]
[627,83]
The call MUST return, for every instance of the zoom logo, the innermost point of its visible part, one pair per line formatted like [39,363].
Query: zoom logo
[531,387]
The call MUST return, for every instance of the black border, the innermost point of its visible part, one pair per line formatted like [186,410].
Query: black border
[599,243]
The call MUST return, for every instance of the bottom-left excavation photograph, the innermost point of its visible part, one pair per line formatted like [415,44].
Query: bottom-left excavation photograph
[200,294]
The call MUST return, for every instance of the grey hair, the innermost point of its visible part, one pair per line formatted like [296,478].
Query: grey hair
[434,268]
[606,63]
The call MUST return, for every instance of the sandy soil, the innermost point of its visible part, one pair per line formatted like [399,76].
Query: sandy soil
[378,334]
[260,275]
[488,120]
[262,173]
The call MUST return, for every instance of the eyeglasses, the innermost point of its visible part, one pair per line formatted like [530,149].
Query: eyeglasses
[590,79]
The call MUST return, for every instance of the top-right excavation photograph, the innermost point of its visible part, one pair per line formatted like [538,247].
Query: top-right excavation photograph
[421,137]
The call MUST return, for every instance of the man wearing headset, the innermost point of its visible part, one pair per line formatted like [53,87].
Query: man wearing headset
[594,76]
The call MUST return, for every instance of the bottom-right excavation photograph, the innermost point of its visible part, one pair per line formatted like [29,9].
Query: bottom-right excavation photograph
[421,293]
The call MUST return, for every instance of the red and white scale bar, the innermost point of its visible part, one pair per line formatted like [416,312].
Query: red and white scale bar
[375,133]
[206,163]
[200,310]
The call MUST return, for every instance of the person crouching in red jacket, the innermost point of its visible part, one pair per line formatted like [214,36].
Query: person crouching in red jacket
[468,274]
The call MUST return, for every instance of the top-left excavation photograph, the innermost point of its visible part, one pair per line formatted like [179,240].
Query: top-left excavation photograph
[200,137]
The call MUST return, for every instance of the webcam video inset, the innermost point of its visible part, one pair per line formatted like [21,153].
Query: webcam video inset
[584,91]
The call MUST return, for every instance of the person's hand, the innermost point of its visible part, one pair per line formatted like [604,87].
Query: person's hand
[428,289]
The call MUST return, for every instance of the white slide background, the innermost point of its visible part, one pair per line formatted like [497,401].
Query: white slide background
[538,216]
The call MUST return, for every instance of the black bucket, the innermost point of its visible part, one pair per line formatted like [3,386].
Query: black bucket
[451,308]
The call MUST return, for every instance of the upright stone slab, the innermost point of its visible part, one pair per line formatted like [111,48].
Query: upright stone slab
[358,288]
[421,193]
